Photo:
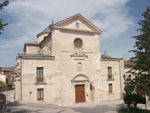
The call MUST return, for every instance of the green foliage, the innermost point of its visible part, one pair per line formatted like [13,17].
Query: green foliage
[5,3]
[133,110]
[1,83]
[1,100]
[2,5]
[134,99]
[2,103]
[140,85]
[2,97]
[129,87]
[142,55]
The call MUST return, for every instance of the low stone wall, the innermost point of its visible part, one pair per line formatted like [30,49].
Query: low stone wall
[5,88]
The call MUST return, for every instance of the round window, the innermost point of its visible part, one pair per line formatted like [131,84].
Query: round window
[78,43]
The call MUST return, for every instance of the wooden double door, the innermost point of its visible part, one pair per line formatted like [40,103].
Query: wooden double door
[80,93]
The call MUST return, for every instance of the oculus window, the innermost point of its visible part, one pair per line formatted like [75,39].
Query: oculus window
[78,43]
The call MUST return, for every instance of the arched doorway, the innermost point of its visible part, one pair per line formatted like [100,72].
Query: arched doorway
[80,93]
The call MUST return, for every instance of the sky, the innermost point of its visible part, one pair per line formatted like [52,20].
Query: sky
[26,18]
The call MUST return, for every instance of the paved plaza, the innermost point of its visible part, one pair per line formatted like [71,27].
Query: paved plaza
[99,107]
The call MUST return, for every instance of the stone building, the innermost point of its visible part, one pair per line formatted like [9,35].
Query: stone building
[127,67]
[65,66]
[9,74]
[2,79]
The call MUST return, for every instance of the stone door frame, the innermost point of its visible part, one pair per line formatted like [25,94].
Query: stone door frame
[80,79]
[80,93]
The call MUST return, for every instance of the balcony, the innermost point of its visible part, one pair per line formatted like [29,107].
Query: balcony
[40,81]
[110,77]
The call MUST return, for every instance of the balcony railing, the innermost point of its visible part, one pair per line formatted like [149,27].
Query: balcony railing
[40,80]
[110,77]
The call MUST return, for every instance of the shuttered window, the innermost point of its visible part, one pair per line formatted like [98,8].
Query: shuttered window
[77,25]
[109,72]
[39,74]
[110,88]
[40,94]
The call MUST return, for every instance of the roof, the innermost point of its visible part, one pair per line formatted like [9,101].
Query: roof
[36,56]
[35,42]
[106,57]
[46,30]
[128,63]
[31,44]
[7,68]
[82,17]
[111,59]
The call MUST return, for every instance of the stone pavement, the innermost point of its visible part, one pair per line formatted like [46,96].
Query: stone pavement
[77,108]
[9,95]
[99,107]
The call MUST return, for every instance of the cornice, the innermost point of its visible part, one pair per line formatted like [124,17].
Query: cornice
[77,30]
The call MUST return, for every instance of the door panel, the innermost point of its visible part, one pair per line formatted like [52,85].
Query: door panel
[80,93]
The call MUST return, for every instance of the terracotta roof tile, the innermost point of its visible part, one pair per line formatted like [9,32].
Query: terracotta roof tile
[129,63]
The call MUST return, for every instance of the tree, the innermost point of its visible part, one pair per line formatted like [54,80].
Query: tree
[142,56]
[2,5]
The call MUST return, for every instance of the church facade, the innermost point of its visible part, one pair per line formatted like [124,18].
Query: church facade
[65,66]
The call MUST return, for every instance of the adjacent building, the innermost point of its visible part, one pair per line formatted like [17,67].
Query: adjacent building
[65,66]
[128,67]
[2,79]
[8,72]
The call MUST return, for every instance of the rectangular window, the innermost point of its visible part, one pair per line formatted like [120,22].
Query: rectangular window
[6,72]
[109,72]
[110,87]
[40,94]
[39,74]
[77,25]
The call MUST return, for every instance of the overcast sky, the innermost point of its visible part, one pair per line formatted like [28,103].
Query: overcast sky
[26,18]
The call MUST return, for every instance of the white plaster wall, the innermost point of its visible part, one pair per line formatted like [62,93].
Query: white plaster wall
[3,78]
[127,69]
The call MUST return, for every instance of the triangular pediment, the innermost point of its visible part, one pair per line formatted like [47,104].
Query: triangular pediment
[83,24]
